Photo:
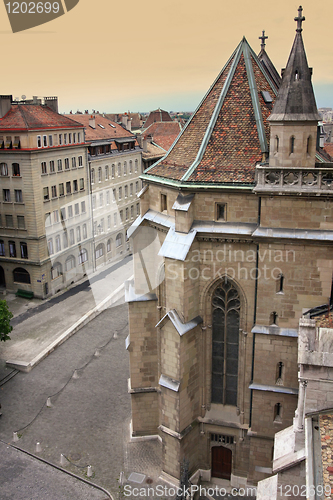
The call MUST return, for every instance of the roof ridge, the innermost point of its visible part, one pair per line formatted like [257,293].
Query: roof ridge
[196,109]
[23,117]
[255,100]
[263,69]
[217,109]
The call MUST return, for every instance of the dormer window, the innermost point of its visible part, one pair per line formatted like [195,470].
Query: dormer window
[267,97]
[296,75]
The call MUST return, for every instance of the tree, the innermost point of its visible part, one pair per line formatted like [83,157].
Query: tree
[5,317]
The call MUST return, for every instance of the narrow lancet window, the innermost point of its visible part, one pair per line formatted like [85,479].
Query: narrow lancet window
[280,283]
[279,373]
[226,308]
[308,145]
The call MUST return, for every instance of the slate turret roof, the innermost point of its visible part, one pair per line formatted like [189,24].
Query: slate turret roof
[296,100]
[229,132]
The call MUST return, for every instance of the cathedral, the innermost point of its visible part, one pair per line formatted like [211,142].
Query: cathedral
[232,246]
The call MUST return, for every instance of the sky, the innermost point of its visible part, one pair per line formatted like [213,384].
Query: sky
[138,56]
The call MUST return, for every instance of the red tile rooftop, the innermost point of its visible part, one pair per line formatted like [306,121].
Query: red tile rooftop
[159,115]
[35,117]
[163,134]
[103,130]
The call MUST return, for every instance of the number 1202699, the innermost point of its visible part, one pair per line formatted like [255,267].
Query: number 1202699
[33,7]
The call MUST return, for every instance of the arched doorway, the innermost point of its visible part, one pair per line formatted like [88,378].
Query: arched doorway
[221,462]
[2,277]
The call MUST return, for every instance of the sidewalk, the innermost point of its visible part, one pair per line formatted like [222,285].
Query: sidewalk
[40,326]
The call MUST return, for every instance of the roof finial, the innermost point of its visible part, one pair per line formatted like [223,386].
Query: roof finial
[263,38]
[299,19]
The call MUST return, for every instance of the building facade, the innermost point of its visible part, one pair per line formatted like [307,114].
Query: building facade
[237,221]
[114,162]
[45,235]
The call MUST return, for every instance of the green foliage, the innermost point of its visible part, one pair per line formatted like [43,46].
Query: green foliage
[5,317]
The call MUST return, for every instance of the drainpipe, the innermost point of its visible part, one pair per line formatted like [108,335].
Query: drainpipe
[255,313]
[92,219]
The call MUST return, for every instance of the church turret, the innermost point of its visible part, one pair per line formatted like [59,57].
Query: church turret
[267,63]
[294,117]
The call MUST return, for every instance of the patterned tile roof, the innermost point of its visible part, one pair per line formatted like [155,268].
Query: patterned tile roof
[153,151]
[103,129]
[328,148]
[325,321]
[35,117]
[229,132]
[163,134]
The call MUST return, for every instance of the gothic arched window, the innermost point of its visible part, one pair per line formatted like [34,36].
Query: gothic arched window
[226,307]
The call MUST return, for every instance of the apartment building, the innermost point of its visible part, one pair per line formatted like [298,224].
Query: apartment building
[114,158]
[45,212]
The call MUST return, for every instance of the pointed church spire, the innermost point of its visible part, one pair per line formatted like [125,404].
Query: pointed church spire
[296,100]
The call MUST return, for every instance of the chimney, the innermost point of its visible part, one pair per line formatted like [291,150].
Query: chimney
[124,120]
[144,145]
[51,102]
[92,122]
[5,104]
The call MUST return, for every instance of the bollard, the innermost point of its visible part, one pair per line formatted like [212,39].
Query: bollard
[89,471]
[48,403]
[97,353]
[38,447]
[15,437]
[75,374]
[115,335]
[122,479]
[63,460]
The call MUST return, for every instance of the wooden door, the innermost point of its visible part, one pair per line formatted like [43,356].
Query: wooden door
[221,462]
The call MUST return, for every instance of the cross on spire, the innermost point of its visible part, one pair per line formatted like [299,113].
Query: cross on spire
[263,38]
[299,19]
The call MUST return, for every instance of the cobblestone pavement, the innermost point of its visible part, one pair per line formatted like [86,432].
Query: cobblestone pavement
[89,419]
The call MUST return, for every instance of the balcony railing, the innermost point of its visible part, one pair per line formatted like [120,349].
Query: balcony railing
[294,180]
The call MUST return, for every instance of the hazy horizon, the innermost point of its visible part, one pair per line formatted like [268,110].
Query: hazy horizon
[116,58]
